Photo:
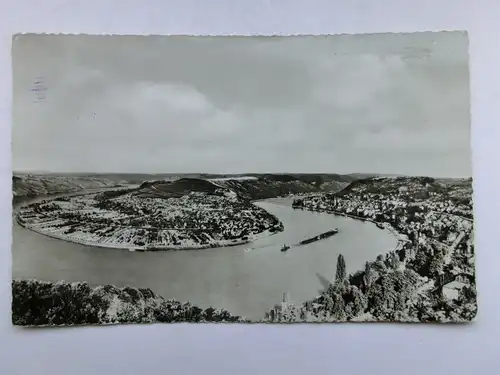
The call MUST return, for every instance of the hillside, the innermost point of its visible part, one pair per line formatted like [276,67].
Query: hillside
[316,178]
[429,276]
[42,303]
[250,188]
[259,186]
[417,189]
[270,186]
[333,186]
[263,188]
[176,188]
[25,186]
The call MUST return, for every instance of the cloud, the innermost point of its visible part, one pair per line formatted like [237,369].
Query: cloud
[368,103]
[351,82]
[150,96]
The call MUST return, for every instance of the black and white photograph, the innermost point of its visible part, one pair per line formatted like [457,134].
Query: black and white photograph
[242,179]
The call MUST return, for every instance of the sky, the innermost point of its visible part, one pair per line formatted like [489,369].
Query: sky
[373,103]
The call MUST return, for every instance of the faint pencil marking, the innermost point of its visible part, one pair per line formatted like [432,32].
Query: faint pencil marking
[39,89]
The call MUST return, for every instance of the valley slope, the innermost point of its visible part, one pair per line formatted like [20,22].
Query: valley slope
[430,276]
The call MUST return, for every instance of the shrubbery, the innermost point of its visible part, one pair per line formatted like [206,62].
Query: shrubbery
[40,303]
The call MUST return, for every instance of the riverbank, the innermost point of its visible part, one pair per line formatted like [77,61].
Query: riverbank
[126,221]
[400,237]
[229,243]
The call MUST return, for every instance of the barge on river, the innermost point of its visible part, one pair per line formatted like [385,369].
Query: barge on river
[319,237]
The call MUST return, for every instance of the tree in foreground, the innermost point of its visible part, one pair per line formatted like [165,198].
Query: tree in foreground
[341,274]
[42,303]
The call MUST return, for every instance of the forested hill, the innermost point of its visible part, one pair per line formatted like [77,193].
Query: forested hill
[415,188]
[251,186]
[26,186]
[248,187]
[268,186]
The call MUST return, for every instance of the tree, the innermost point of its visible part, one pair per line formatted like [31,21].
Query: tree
[436,263]
[394,260]
[356,301]
[338,308]
[341,274]
[369,277]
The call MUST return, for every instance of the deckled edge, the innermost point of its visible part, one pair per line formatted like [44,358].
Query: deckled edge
[371,321]
[19,34]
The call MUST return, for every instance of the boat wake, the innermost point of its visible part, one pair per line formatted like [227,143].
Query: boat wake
[261,247]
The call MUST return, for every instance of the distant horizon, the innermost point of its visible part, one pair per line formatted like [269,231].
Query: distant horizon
[232,174]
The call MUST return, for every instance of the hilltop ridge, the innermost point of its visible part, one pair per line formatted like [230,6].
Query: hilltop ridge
[247,187]
[251,186]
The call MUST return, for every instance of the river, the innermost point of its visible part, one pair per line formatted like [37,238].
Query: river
[247,280]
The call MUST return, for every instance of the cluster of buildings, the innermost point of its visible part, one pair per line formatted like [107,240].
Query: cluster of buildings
[196,220]
[433,221]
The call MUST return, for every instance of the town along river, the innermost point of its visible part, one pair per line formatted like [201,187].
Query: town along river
[247,280]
